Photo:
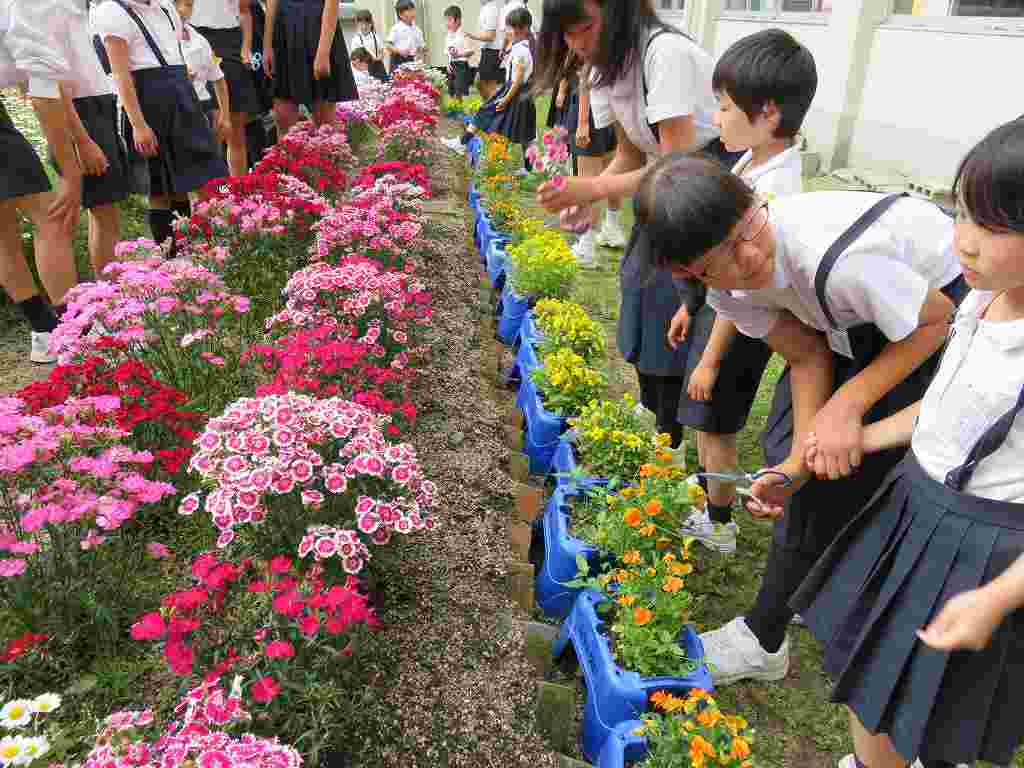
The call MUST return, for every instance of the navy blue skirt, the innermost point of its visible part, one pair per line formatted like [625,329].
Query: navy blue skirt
[188,155]
[242,89]
[739,376]
[517,122]
[602,140]
[649,300]
[915,545]
[23,172]
[124,176]
[296,38]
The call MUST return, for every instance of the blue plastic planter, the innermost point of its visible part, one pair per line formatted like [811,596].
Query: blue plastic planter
[474,148]
[543,428]
[497,258]
[474,197]
[615,695]
[483,225]
[622,746]
[560,551]
[467,120]
[513,310]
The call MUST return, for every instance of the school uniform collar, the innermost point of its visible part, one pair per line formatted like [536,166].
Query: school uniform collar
[967,323]
[774,163]
[780,271]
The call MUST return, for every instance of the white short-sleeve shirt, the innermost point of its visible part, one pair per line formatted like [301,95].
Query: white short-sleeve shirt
[780,176]
[202,65]
[110,20]
[678,75]
[489,14]
[458,41]
[519,54]
[882,278]
[9,74]
[406,37]
[215,14]
[980,378]
[51,43]
[370,42]
[361,76]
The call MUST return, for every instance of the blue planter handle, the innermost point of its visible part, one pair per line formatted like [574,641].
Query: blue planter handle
[622,746]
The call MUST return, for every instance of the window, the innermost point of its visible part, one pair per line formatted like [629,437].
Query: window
[794,6]
[671,5]
[987,8]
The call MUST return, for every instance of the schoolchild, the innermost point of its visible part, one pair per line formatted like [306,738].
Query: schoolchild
[764,84]
[25,188]
[405,42]
[653,84]
[261,131]
[504,32]
[204,69]
[227,25]
[939,548]
[361,62]
[854,290]
[308,60]
[511,111]
[561,90]
[366,37]
[457,47]
[592,149]
[74,99]
[490,74]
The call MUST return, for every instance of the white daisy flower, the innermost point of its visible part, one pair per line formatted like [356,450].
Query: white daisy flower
[32,749]
[16,713]
[11,749]
[45,703]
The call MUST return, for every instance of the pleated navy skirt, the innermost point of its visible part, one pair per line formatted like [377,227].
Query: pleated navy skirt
[23,172]
[242,89]
[517,122]
[188,155]
[296,38]
[916,544]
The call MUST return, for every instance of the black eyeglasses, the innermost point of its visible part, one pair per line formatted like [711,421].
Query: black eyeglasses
[749,230]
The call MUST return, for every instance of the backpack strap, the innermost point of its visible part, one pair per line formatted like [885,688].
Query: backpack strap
[146,33]
[987,444]
[843,242]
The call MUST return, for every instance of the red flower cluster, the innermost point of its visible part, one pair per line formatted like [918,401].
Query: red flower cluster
[315,156]
[405,173]
[20,646]
[302,606]
[149,409]
[281,190]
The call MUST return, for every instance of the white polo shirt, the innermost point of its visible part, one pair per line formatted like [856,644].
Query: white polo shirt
[110,20]
[980,378]
[370,42]
[216,14]
[202,65]
[882,278]
[406,37]
[678,84]
[518,54]
[51,42]
[459,42]
[781,176]
[489,14]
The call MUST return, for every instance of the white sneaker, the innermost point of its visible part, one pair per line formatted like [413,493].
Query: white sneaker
[584,250]
[734,654]
[611,235]
[850,762]
[41,349]
[455,145]
[720,537]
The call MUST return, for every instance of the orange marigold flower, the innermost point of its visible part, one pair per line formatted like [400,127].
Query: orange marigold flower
[642,616]
[648,470]
[659,696]
[709,717]
[700,751]
[648,530]
[627,600]
[740,749]
[672,584]
[632,517]
[669,557]
[653,507]
[632,557]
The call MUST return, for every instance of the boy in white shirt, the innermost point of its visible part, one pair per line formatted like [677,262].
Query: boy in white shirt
[361,62]
[405,41]
[458,53]
[204,68]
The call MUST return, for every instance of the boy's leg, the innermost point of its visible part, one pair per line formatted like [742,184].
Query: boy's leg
[104,232]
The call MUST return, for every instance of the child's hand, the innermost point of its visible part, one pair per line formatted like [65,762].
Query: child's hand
[94,162]
[769,494]
[679,327]
[223,125]
[966,622]
[702,382]
[502,105]
[577,219]
[322,65]
[575,191]
[246,56]
[145,141]
[839,445]
[583,136]
[268,61]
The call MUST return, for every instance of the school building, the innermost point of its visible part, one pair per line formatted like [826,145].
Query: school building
[905,86]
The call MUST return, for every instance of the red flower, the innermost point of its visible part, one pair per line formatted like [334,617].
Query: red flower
[280,564]
[149,627]
[309,624]
[279,649]
[265,690]
[180,657]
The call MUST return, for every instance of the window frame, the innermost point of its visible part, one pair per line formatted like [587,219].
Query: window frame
[952,22]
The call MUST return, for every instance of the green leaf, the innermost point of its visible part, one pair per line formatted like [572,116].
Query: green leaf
[84,684]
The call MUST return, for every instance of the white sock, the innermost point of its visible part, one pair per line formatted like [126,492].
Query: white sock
[611,217]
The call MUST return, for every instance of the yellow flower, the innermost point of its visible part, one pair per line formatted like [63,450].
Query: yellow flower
[709,717]
[629,493]
[696,494]
[648,530]
[627,600]
[681,569]
[736,723]
[740,749]
[664,440]
[632,557]
[669,557]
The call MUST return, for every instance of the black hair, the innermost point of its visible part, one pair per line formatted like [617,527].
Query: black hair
[769,66]
[404,5]
[990,180]
[624,30]
[688,205]
[519,18]
[360,54]
[364,16]
[453,11]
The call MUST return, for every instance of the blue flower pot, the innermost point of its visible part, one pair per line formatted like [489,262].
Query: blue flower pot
[473,149]
[622,746]
[513,310]
[496,258]
[474,198]
[556,556]
[615,695]
[543,428]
